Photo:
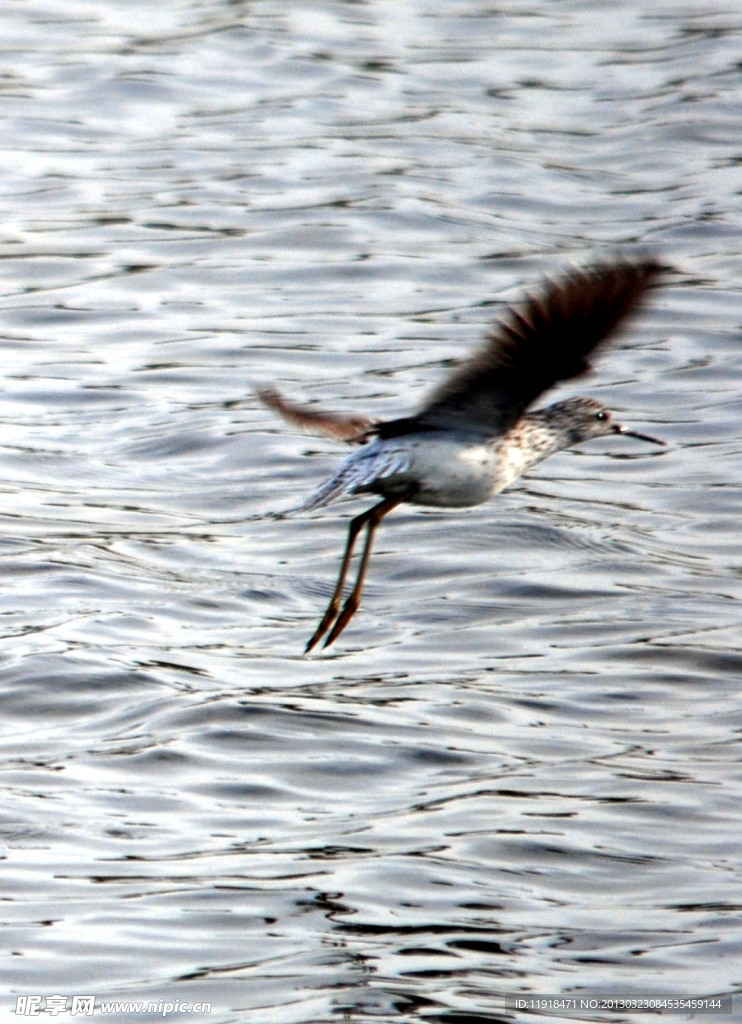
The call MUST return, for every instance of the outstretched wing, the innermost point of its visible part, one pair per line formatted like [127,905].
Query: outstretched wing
[545,341]
[352,429]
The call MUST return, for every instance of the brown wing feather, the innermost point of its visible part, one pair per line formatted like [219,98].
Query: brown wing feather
[545,341]
[340,428]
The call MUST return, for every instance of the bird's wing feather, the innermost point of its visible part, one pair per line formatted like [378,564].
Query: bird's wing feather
[545,341]
[357,472]
[351,429]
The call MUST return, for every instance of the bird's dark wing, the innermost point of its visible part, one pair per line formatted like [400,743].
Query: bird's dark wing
[352,429]
[544,341]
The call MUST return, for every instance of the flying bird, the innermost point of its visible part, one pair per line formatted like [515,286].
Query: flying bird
[473,436]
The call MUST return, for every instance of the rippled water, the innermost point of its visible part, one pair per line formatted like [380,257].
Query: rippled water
[518,771]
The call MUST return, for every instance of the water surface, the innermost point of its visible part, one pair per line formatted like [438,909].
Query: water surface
[517,772]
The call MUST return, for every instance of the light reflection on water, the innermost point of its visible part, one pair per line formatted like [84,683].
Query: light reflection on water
[516,772]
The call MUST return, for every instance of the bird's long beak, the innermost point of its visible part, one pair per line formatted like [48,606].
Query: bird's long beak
[634,433]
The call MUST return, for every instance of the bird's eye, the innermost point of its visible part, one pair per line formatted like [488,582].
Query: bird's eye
[602,416]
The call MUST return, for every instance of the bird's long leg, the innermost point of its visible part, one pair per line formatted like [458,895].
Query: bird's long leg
[372,516]
[356,525]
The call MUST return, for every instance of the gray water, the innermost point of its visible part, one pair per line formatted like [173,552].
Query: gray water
[517,773]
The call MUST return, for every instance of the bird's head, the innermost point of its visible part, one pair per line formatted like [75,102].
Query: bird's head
[586,418]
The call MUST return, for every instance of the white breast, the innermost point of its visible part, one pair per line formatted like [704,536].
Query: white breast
[453,470]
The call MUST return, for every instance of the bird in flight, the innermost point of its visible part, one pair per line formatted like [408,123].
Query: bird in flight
[473,436]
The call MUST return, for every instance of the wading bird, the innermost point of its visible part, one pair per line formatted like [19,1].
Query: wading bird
[473,436]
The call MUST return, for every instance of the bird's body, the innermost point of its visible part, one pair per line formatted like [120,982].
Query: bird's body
[459,468]
[426,468]
[473,438]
